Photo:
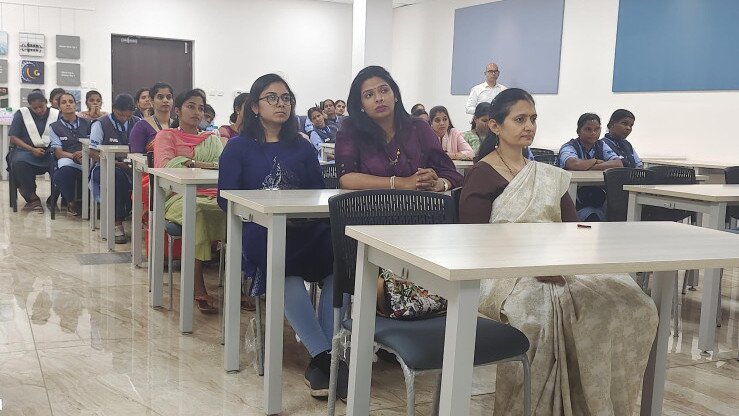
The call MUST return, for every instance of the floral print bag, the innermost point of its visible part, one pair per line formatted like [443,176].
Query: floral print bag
[405,300]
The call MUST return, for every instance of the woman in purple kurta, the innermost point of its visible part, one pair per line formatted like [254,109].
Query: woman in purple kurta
[381,146]
[144,131]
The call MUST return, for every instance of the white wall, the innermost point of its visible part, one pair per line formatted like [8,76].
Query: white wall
[699,125]
[235,41]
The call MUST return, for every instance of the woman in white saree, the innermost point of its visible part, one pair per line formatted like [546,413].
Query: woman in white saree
[590,334]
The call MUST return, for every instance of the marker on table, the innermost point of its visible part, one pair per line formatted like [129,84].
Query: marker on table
[583,226]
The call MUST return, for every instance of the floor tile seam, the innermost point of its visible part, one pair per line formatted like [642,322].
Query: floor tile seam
[712,361]
[50,348]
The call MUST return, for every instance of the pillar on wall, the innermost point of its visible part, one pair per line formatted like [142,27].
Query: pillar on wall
[372,34]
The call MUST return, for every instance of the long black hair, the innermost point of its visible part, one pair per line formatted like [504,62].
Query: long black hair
[238,103]
[499,110]
[252,126]
[619,115]
[364,125]
[154,89]
[440,109]
[179,101]
[482,109]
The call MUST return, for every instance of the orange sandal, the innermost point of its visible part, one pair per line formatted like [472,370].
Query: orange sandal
[205,305]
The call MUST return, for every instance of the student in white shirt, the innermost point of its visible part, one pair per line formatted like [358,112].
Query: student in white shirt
[486,91]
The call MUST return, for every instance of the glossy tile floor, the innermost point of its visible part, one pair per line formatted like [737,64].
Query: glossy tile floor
[82,340]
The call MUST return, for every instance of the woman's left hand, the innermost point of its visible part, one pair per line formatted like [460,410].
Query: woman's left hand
[427,179]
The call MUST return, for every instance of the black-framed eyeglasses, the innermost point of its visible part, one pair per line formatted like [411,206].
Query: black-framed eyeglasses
[493,71]
[272,98]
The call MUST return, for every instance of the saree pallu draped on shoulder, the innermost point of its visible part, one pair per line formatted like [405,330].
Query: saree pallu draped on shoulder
[590,337]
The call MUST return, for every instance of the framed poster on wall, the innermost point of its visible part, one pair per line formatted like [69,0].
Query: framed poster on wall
[67,47]
[77,94]
[3,71]
[3,43]
[31,44]
[26,91]
[67,75]
[4,97]
[32,72]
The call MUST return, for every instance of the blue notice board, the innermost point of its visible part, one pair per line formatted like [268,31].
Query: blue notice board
[677,45]
[524,37]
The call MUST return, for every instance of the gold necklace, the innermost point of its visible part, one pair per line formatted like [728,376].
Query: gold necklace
[497,150]
[394,162]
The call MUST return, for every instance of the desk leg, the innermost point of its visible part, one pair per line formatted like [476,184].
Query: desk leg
[232,291]
[5,144]
[156,239]
[711,283]
[363,334]
[573,192]
[653,387]
[109,200]
[85,182]
[187,260]
[136,232]
[103,197]
[459,348]
[634,209]
[276,230]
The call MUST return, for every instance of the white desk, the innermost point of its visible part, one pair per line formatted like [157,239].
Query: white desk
[707,200]
[108,152]
[140,167]
[270,209]
[691,163]
[325,148]
[713,169]
[595,178]
[463,165]
[451,260]
[185,182]
[86,183]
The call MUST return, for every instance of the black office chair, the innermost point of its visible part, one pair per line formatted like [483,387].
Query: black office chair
[456,196]
[731,177]
[330,178]
[670,175]
[538,151]
[418,345]
[550,159]
[617,200]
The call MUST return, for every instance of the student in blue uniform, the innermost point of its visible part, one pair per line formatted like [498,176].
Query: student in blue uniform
[619,128]
[114,128]
[29,136]
[586,152]
[65,134]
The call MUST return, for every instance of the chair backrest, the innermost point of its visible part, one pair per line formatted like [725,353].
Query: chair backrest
[550,159]
[538,151]
[378,207]
[330,179]
[673,175]
[731,175]
[617,200]
[301,123]
[456,196]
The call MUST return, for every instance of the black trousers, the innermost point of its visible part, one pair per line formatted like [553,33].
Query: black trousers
[24,175]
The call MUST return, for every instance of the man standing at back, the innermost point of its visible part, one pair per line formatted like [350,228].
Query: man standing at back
[486,91]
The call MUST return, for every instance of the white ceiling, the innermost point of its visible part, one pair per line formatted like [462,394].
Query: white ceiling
[396,3]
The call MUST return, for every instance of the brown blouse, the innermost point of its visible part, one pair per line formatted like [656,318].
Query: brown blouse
[482,185]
